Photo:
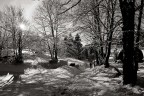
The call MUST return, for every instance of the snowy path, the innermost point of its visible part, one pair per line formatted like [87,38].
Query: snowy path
[69,81]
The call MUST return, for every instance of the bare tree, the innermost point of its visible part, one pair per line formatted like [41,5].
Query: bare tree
[13,17]
[50,24]
[99,20]
[3,33]
[112,25]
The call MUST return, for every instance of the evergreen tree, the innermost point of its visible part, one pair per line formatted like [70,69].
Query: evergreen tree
[73,46]
[68,44]
[78,46]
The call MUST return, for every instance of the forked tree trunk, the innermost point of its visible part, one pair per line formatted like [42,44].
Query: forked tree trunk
[128,13]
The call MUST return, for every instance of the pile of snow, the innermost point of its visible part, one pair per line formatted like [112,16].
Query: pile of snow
[67,71]
[143,52]
[47,54]
[38,59]
[82,64]
[28,61]
[27,52]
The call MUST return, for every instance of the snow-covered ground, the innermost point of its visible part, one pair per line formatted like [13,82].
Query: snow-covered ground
[70,81]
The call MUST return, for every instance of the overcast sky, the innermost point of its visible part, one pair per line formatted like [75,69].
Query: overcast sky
[28,6]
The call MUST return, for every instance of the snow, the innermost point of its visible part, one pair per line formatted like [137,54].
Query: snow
[38,59]
[143,51]
[82,64]
[27,52]
[101,78]
[28,61]
[71,81]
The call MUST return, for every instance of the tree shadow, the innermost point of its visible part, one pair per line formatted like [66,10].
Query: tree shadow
[47,65]
[13,69]
[140,81]
[31,89]
[39,88]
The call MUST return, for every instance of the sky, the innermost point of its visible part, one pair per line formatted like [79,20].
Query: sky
[28,6]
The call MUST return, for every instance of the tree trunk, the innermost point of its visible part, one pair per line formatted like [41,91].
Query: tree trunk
[128,13]
[138,32]
[0,53]
[14,41]
[97,30]
[139,24]
[110,22]
[106,63]
[97,59]
[1,45]
[20,48]
[100,56]
[109,42]
[56,53]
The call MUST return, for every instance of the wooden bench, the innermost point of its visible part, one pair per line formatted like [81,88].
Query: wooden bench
[11,72]
[6,80]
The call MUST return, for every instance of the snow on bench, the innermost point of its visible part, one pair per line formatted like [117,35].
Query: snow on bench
[6,80]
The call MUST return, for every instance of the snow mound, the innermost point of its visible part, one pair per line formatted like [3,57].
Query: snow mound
[82,64]
[68,70]
[76,61]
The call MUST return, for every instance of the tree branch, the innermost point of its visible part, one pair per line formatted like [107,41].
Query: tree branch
[70,7]
[66,3]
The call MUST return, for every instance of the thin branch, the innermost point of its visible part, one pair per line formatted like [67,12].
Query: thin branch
[70,7]
[66,3]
